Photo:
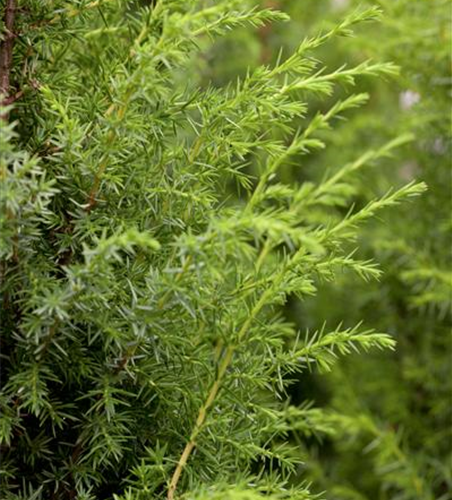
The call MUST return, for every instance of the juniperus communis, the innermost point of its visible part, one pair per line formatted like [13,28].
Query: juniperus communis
[147,245]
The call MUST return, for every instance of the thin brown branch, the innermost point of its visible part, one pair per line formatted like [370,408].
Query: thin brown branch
[265,32]
[52,331]
[12,98]
[200,421]
[6,50]
[213,392]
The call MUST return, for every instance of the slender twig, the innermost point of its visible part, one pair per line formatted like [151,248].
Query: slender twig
[265,33]
[215,387]
[6,52]
[12,98]
[6,61]
[52,331]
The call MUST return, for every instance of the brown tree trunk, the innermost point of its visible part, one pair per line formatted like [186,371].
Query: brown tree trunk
[6,50]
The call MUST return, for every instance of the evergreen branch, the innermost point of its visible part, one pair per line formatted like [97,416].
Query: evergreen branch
[389,199]
[368,157]
[323,84]
[229,19]
[321,348]
[303,143]
[299,64]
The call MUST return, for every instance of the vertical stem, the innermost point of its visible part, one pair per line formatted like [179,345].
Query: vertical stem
[265,32]
[6,51]
[215,387]
[6,62]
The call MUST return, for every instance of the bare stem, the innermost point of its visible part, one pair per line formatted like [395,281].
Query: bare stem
[6,51]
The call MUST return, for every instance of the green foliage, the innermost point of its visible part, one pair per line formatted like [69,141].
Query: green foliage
[148,240]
